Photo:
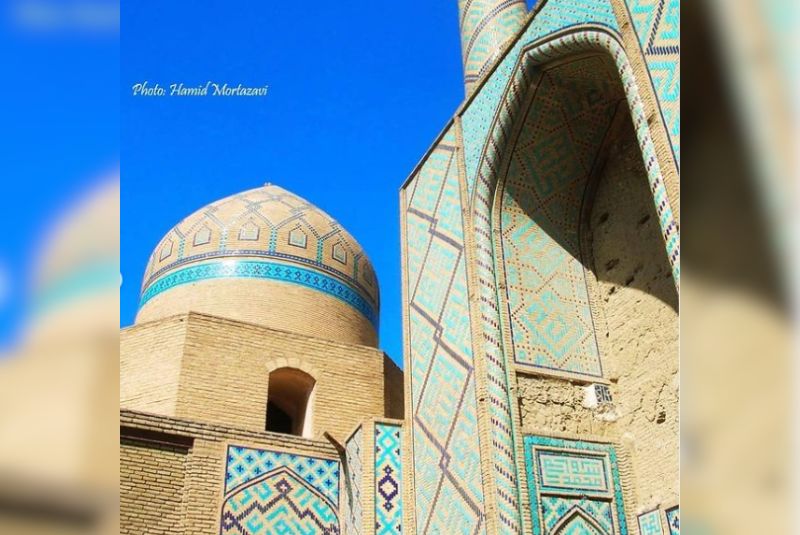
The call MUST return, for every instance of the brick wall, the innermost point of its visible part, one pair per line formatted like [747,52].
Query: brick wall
[172,471]
[286,307]
[222,369]
[151,487]
[150,362]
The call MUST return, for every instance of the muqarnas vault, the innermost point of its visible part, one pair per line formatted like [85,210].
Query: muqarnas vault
[539,392]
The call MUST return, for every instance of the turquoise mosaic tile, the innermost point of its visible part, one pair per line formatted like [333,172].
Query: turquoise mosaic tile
[268,492]
[388,480]
[254,269]
[552,510]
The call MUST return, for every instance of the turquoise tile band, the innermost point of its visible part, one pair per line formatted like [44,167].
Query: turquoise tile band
[254,269]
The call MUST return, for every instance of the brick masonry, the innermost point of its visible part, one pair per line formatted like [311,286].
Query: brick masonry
[217,371]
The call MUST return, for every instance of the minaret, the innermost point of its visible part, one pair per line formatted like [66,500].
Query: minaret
[486,27]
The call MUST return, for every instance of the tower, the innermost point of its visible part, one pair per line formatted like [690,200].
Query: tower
[486,27]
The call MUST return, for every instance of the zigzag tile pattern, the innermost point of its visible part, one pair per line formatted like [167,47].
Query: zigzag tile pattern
[657,27]
[444,422]
[354,509]
[277,492]
[486,25]
[388,480]
[556,509]
[553,510]
[548,298]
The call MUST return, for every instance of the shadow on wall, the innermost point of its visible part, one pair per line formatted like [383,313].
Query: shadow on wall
[576,181]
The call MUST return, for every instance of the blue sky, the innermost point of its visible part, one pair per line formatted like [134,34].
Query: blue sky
[60,136]
[358,91]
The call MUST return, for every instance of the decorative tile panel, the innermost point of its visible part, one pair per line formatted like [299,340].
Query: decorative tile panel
[657,25]
[553,17]
[543,194]
[486,26]
[559,471]
[444,422]
[558,511]
[650,523]
[388,479]
[674,520]
[255,269]
[354,509]
[277,492]
[557,467]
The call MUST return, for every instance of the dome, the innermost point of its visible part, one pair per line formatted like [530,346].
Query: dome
[269,257]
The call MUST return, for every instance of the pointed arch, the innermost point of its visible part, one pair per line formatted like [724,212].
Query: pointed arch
[492,362]
[277,498]
[577,522]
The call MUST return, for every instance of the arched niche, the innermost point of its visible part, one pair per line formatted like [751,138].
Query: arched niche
[290,402]
[573,206]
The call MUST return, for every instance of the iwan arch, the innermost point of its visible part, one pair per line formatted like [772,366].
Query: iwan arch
[539,391]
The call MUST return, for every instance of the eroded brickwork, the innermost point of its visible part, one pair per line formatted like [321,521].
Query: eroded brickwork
[557,405]
[639,309]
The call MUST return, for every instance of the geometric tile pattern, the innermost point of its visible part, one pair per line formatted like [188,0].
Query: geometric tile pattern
[556,509]
[592,25]
[446,445]
[571,496]
[657,27]
[245,464]
[485,27]
[650,523]
[254,269]
[543,194]
[576,472]
[674,520]
[277,492]
[266,222]
[388,480]
[354,511]
[553,17]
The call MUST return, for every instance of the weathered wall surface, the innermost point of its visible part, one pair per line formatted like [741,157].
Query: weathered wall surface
[557,405]
[639,305]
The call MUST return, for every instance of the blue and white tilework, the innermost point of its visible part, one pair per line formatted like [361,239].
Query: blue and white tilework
[574,487]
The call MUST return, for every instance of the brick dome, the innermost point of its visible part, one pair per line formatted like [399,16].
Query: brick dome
[268,257]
